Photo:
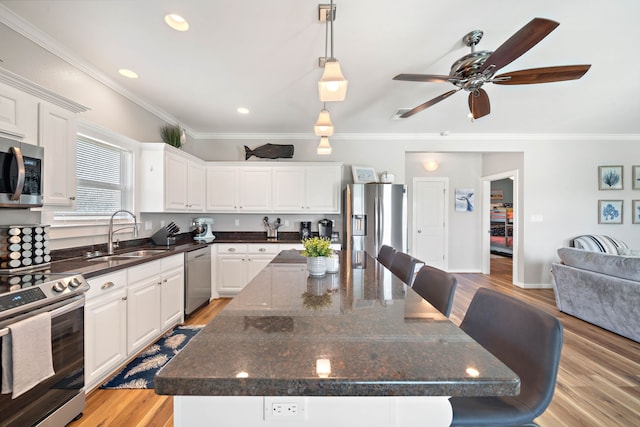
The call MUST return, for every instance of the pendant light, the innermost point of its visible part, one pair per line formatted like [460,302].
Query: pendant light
[332,85]
[323,126]
[324,147]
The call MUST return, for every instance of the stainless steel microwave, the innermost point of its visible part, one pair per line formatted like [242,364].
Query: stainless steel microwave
[20,174]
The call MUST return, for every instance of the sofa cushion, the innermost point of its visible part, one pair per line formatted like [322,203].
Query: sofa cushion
[598,243]
[612,265]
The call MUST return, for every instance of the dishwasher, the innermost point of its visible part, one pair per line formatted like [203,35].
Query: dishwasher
[197,280]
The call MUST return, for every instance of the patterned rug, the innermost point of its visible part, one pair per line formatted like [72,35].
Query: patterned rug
[140,371]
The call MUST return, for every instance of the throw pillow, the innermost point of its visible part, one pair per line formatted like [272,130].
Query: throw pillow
[629,252]
[599,243]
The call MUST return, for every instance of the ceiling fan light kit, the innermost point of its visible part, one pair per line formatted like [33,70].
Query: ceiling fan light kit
[473,70]
[332,86]
[324,148]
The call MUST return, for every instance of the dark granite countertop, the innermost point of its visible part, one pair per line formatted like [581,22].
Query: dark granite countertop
[378,336]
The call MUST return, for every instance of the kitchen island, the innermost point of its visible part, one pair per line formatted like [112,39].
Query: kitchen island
[357,347]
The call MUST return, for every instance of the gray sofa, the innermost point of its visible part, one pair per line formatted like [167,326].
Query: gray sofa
[600,288]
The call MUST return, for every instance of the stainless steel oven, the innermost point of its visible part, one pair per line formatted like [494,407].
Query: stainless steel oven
[20,174]
[59,399]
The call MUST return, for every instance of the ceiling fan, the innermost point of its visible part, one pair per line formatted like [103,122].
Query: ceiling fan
[472,71]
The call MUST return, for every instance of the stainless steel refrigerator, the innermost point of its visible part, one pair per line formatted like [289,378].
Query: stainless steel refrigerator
[375,215]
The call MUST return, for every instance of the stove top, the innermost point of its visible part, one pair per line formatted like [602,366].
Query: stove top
[21,292]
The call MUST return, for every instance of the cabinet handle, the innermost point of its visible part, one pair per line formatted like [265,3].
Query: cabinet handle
[124,298]
[159,283]
[261,249]
[231,250]
[164,281]
[107,285]
[72,198]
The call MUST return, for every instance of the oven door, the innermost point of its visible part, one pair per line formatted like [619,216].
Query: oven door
[67,340]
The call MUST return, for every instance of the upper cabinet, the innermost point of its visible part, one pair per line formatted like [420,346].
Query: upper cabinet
[35,115]
[314,188]
[58,130]
[292,187]
[180,174]
[238,189]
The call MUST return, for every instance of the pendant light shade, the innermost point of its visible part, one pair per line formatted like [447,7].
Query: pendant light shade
[323,126]
[332,85]
[324,147]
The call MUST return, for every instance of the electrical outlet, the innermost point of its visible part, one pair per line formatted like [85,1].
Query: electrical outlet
[148,225]
[286,222]
[237,222]
[280,408]
[162,223]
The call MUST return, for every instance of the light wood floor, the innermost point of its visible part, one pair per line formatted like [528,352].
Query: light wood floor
[598,383]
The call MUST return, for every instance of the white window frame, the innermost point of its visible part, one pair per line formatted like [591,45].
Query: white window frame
[82,226]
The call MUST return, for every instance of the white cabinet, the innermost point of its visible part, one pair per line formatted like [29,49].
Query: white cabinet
[18,115]
[308,189]
[238,189]
[155,300]
[238,264]
[58,132]
[181,175]
[105,316]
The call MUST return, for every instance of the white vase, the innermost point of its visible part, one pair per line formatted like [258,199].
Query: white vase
[316,266]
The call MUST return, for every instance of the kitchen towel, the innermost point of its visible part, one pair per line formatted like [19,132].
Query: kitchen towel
[26,355]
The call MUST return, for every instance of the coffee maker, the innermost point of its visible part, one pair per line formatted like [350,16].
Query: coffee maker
[305,229]
[202,229]
[325,228]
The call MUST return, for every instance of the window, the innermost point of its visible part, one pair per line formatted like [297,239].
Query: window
[104,184]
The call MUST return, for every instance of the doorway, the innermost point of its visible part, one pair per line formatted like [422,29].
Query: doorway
[430,224]
[500,221]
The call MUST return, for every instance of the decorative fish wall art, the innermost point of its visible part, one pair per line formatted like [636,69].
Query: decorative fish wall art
[270,151]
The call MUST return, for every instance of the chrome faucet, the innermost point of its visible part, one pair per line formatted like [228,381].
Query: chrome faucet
[111,230]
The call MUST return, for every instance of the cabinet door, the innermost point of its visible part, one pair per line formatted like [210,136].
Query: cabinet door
[323,187]
[172,298]
[289,189]
[143,313]
[58,137]
[222,189]
[175,182]
[231,273]
[195,187]
[18,114]
[255,264]
[105,335]
[255,189]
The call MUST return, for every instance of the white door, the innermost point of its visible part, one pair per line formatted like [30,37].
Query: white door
[429,221]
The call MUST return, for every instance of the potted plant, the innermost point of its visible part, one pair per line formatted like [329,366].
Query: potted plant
[172,135]
[316,250]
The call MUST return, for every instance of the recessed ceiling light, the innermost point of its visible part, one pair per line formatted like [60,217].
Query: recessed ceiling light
[243,110]
[128,73]
[176,22]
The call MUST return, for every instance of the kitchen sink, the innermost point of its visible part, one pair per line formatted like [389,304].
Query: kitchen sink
[113,258]
[144,252]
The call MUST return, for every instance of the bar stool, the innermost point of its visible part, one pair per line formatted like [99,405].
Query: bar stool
[403,266]
[385,255]
[436,286]
[529,342]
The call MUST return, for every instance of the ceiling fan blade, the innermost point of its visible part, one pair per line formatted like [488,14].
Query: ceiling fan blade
[428,104]
[479,103]
[425,78]
[542,75]
[523,40]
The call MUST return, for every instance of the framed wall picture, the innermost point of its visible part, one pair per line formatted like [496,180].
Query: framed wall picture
[635,211]
[497,194]
[609,211]
[363,174]
[464,199]
[635,176]
[609,177]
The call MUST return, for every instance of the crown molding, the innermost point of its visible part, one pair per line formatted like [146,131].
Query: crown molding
[39,37]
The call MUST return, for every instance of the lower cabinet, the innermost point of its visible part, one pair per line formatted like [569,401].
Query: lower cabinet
[105,326]
[238,264]
[127,310]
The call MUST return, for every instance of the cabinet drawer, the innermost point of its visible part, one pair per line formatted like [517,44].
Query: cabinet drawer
[102,285]
[267,248]
[174,261]
[289,246]
[144,271]
[228,248]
